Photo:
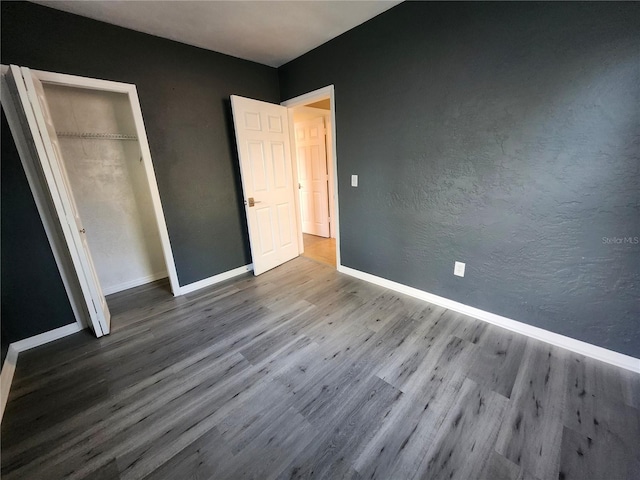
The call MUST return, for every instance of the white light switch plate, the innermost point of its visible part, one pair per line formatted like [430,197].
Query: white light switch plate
[458,269]
[354,180]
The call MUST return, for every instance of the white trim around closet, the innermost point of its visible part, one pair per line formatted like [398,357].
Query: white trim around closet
[132,93]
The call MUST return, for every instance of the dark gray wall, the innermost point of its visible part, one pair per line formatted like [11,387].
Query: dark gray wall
[184,93]
[502,135]
[33,295]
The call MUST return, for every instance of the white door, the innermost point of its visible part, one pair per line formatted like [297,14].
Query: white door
[311,154]
[262,137]
[31,96]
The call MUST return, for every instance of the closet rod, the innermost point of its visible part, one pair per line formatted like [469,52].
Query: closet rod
[103,136]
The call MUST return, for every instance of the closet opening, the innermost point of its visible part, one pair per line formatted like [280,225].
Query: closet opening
[84,149]
[102,159]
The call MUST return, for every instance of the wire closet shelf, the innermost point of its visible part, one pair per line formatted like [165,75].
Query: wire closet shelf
[100,136]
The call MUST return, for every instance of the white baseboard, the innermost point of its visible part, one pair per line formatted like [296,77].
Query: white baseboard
[221,277]
[46,337]
[614,358]
[8,369]
[10,362]
[134,283]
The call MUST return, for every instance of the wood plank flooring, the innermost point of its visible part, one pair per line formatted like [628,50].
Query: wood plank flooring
[306,373]
[320,249]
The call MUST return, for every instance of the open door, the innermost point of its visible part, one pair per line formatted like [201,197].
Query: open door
[311,155]
[262,137]
[28,93]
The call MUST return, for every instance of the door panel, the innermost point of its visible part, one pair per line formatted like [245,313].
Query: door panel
[275,124]
[31,96]
[252,121]
[302,163]
[312,176]
[279,166]
[258,167]
[262,136]
[284,223]
[263,217]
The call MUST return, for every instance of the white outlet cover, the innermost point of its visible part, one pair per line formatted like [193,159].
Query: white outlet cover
[354,180]
[458,269]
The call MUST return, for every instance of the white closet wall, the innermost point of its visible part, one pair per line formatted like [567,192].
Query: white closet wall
[109,186]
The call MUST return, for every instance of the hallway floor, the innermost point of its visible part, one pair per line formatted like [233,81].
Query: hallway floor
[320,249]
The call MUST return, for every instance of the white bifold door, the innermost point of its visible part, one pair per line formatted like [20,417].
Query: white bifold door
[262,136]
[29,94]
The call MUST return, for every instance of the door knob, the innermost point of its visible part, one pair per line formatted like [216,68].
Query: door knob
[252,201]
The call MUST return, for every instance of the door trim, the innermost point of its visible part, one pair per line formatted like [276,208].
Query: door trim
[299,101]
[134,102]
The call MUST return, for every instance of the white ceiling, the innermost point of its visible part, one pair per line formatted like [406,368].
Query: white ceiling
[268,32]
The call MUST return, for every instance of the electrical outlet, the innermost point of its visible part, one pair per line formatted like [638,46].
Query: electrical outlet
[458,269]
[354,180]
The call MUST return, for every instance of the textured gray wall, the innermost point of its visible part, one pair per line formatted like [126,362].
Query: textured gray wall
[502,135]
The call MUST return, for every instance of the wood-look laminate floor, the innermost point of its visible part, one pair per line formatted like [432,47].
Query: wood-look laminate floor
[307,373]
[320,249]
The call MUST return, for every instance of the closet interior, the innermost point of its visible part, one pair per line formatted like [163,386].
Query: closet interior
[101,154]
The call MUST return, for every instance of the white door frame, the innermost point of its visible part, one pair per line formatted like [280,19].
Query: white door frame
[303,100]
[132,94]
[134,102]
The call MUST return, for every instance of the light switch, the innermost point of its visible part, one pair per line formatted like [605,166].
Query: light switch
[354,180]
[458,269]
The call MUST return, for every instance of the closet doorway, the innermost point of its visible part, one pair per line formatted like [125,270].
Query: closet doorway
[101,156]
[90,155]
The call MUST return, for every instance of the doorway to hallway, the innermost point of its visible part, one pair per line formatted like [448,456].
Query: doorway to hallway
[313,132]
[320,249]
